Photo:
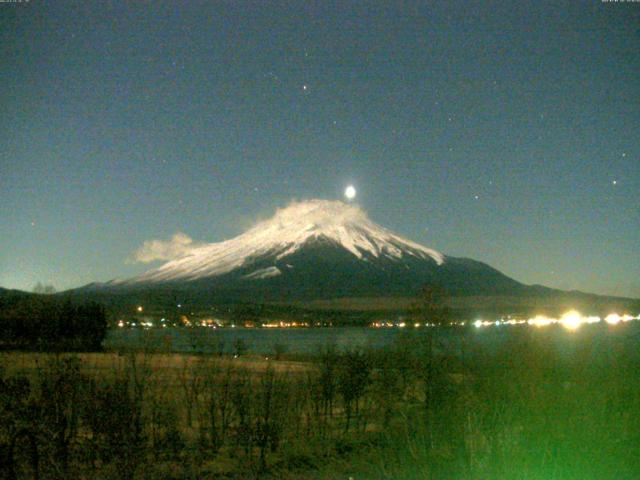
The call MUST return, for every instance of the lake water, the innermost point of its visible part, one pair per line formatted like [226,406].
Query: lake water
[309,340]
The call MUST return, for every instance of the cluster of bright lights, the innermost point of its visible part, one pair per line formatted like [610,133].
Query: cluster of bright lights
[145,324]
[497,323]
[571,320]
[402,324]
[285,324]
[614,318]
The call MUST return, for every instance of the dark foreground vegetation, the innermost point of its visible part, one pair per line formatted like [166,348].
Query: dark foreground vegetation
[527,411]
[45,322]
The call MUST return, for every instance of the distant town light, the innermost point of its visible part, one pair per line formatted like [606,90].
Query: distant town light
[571,320]
[613,319]
[541,321]
[139,308]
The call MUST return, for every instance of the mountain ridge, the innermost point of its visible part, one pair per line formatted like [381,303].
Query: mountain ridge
[318,250]
[287,231]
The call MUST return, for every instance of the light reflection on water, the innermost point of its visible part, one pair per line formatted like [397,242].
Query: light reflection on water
[309,340]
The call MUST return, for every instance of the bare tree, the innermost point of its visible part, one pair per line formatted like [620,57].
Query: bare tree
[431,306]
[353,378]
[432,310]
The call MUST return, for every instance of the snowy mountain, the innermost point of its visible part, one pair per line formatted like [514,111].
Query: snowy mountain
[343,225]
[317,249]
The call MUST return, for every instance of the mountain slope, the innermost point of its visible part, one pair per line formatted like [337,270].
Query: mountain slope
[318,249]
[330,255]
[290,230]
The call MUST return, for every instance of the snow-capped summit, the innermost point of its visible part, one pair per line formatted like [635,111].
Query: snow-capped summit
[310,250]
[335,223]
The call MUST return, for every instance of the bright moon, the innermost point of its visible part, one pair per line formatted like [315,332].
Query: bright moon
[350,192]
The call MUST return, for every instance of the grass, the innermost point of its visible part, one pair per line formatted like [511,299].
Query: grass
[534,408]
[162,364]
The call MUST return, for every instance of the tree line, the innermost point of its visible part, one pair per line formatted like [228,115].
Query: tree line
[523,411]
[39,322]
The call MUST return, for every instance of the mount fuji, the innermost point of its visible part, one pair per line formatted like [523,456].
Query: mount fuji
[317,249]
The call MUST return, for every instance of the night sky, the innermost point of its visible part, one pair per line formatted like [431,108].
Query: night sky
[502,131]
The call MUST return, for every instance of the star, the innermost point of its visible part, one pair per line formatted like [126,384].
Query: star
[614,182]
[304,87]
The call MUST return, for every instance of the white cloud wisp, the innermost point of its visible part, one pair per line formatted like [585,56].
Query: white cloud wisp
[178,246]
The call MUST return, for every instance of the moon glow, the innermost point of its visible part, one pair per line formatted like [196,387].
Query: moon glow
[350,192]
